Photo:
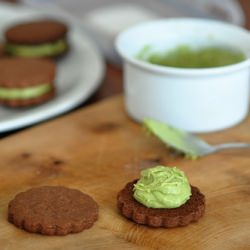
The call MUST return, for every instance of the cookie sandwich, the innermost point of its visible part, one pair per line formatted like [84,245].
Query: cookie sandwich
[40,38]
[53,210]
[26,81]
[162,197]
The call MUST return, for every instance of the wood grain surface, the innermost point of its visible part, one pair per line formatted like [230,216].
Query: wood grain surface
[98,150]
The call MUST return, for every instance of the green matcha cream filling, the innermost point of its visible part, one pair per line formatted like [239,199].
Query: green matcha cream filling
[186,57]
[24,93]
[47,49]
[162,187]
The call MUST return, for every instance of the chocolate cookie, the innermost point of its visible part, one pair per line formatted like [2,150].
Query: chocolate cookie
[26,81]
[40,38]
[189,212]
[53,210]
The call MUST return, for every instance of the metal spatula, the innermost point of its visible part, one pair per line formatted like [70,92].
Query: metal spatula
[186,143]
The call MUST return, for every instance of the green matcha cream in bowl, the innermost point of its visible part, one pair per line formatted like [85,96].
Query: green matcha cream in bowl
[184,56]
[192,74]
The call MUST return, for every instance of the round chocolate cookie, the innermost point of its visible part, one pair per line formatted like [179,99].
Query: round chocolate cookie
[53,210]
[39,38]
[26,81]
[189,212]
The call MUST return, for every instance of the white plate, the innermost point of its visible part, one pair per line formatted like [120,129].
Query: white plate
[79,74]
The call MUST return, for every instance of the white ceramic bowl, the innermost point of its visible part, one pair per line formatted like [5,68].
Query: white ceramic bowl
[195,100]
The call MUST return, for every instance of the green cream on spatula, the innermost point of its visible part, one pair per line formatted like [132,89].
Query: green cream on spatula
[172,137]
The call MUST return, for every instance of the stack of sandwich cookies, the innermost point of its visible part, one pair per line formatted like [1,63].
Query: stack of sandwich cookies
[162,197]
[26,81]
[41,38]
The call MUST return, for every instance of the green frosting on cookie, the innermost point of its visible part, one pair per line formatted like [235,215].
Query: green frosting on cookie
[24,93]
[47,49]
[162,187]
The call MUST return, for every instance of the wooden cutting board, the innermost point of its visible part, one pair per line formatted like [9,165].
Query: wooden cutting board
[98,150]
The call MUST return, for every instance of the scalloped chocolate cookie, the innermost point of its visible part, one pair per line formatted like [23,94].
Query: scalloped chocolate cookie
[53,210]
[189,212]
[26,81]
[37,38]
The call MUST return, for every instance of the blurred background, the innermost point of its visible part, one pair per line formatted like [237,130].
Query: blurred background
[106,18]
[102,20]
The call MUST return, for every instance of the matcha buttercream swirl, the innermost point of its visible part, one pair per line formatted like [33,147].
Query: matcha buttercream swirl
[162,187]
